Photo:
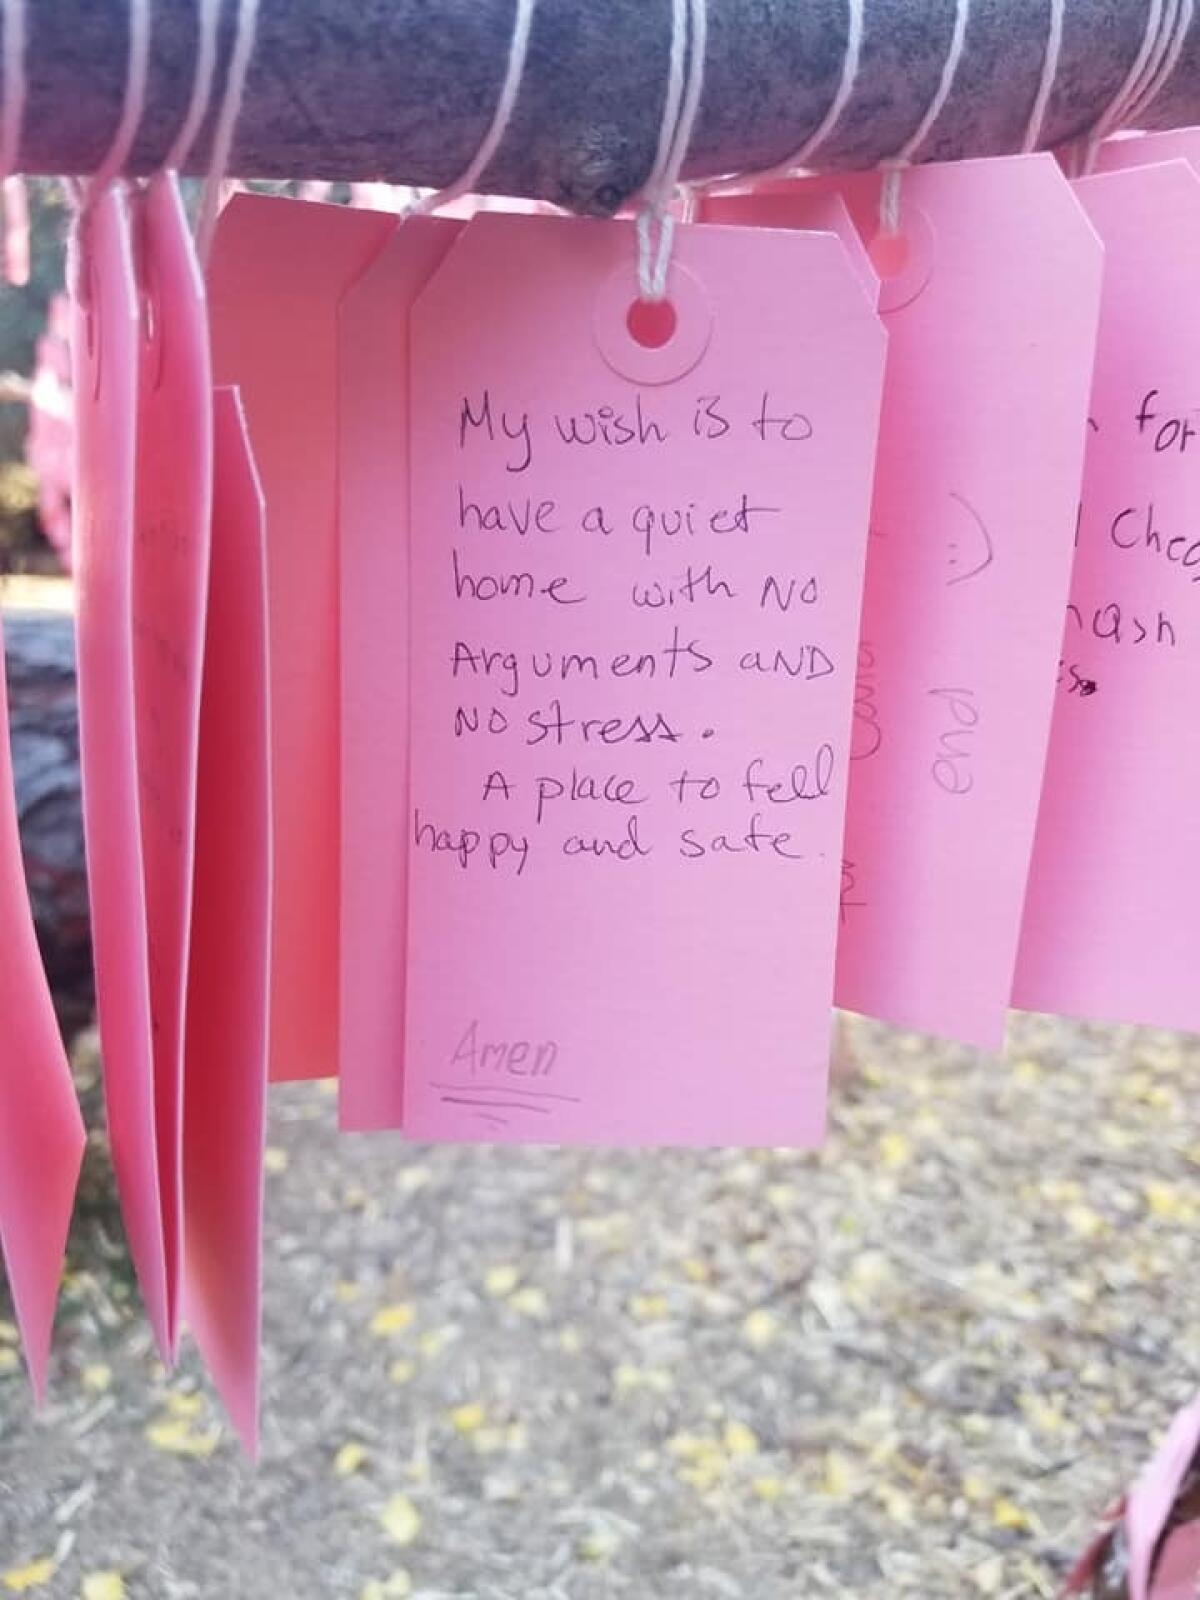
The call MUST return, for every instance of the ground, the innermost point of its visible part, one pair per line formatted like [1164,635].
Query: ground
[917,1363]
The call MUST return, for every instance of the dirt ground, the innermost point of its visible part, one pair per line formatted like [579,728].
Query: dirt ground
[917,1363]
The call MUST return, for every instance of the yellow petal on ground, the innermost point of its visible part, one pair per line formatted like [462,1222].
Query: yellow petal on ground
[837,1481]
[1168,1202]
[351,1458]
[600,1545]
[468,1418]
[275,1160]
[400,1520]
[759,1329]
[1044,1416]
[177,1437]
[894,1151]
[8,1333]
[1008,1515]
[345,1291]
[96,1378]
[103,1586]
[10,1361]
[501,1281]
[391,1320]
[740,1440]
[395,1587]
[767,1488]
[185,1405]
[530,1302]
[648,1307]
[1085,1222]
[20,1580]
[402,1371]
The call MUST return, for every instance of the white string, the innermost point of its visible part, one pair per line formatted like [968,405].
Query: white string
[137,67]
[1041,102]
[889,196]
[856,27]
[12,118]
[206,65]
[681,107]
[1131,87]
[1168,61]
[235,88]
[510,91]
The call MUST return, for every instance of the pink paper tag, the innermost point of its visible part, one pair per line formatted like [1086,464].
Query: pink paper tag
[373,477]
[1152,1496]
[226,1064]
[1112,917]
[1177,1573]
[278,272]
[41,1131]
[170,586]
[967,573]
[636,573]
[105,336]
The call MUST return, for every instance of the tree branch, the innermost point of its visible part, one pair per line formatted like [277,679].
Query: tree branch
[402,90]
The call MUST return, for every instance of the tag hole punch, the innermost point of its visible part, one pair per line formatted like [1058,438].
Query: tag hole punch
[904,260]
[652,341]
[889,253]
[651,323]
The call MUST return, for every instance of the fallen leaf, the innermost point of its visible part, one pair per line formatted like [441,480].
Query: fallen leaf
[351,1458]
[468,1418]
[759,1329]
[395,1587]
[391,1320]
[103,1586]
[275,1160]
[740,1440]
[177,1437]
[400,1520]
[501,1281]
[530,1302]
[19,1580]
[96,1378]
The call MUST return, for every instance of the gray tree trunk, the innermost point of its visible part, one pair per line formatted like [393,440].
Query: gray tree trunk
[402,90]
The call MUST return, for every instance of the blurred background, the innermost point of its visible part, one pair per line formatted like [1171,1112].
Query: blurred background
[919,1362]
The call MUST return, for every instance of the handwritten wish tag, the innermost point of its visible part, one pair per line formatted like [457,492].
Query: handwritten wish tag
[636,572]
[104,343]
[170,586]
[278,272]
[41,1131]
[373,489]
[967,572]
[1113,910]
[228,987]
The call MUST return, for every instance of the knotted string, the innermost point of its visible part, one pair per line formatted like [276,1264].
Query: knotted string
[681,107]
[889,195]
[510,92]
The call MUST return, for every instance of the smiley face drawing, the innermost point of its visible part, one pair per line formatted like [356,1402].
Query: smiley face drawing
[970,551]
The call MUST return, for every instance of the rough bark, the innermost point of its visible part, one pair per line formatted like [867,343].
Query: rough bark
[402,90]
[40,651]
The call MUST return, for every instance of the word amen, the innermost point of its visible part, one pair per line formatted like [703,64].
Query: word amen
[951,767]
[480,1058]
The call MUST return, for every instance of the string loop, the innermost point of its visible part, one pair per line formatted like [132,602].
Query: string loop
[681,107]
[893,169]
[244,39]
[510,91]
